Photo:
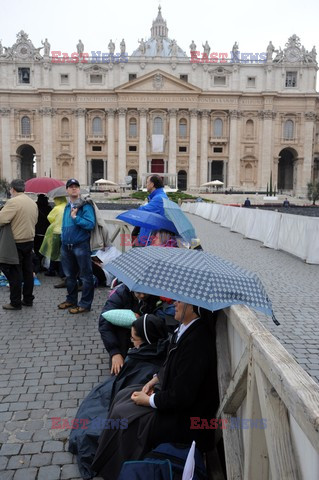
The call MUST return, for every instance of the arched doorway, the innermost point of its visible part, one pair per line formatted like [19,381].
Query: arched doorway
[182,180]
[133,174]
[286,179]
[27,162]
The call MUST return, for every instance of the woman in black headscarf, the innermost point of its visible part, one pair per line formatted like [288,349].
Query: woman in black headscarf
[187,388]
[149,337]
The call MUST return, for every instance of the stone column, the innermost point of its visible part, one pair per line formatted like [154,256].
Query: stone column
[266,152]
[234,154]
[6,173]
[80,170]
[110,145]
[47,141]
[142,154]
[121,172]
[172,141]
[192,167]
[89,171]
[203,148]
[310,120]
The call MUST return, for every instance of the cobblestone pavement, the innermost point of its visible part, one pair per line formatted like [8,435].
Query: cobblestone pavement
[291,284]
[50,360]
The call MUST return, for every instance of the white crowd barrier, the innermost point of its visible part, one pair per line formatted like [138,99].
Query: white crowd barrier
[294,234]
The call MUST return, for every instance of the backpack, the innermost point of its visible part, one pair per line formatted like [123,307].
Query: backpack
[165,462]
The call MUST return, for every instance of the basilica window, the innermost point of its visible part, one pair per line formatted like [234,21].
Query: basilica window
[97,126]
[64,79]
[218,128]
[291,79]
[132,76]
[248,173]
[184,77]
[219,80]
[133,127]
[25,126]
[288,130]
[158,126]
[249,129]
[183,128]
[95,78]
[65,126]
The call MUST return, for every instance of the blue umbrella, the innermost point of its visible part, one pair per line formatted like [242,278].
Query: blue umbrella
[191,276]
[149,220]
[176,215]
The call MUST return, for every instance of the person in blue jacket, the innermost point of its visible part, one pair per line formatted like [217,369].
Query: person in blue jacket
[155,187]
[77,224]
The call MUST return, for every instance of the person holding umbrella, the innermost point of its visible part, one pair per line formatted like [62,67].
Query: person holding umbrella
[187,388]
[155,188]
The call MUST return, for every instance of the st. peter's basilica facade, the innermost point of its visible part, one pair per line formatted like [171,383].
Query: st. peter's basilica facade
[192,117]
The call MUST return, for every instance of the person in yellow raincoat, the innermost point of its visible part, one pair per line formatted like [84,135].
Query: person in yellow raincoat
[51,244]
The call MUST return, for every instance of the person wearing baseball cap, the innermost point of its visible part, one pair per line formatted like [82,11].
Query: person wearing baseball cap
[77,224]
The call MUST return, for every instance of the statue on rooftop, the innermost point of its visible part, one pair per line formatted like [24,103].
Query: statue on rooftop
[206,48]
[270,51]
[111,47]
[192,46]
[122,46]
[46,46]
[142,46]
[80,47]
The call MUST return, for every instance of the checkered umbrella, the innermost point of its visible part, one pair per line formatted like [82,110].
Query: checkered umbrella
[195,277]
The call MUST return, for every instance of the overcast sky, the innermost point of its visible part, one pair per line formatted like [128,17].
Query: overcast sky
[249,23]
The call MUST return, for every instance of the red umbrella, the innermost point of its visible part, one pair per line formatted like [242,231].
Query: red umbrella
[42,184]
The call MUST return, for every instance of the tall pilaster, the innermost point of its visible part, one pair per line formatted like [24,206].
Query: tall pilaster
[121,145]
[266,152]
[142,155]
[203,148]
[192,168]
[233,161]
[6,171]
[172,141]
[80,170]
[110,145]
[47,141]
[310,121]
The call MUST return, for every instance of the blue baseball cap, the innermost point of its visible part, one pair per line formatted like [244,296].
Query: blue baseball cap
[72,181]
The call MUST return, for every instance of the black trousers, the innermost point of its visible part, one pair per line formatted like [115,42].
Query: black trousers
[16,274]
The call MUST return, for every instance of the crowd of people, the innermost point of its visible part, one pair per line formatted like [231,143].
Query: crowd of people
[162,358]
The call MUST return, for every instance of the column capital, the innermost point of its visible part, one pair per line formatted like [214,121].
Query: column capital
[142,111]
[193,112]
[121,111]
[80,112]
[4,112]
[269,114]
[110,112]
[172,112]
[205,113]
[47,111]
[235,113]
[310,116]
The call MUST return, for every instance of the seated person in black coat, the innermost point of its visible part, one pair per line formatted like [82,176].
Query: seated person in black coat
[161,410]
[117,339]
[149,336]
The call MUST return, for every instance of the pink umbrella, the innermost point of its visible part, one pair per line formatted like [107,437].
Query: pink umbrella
[42,184]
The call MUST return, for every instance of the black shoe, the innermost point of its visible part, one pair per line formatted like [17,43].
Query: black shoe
[49,274]
[8,306]
[61,285]
[27,304]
